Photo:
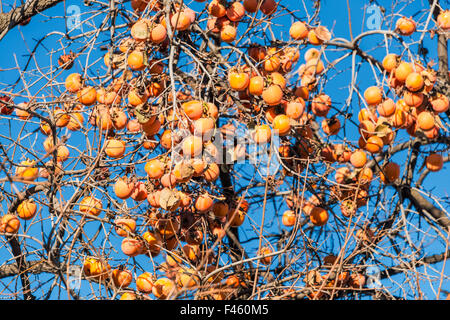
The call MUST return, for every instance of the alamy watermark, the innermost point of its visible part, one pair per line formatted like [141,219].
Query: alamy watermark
[74,281]
[373,21]
[373,277]
[73,14]
[237,146]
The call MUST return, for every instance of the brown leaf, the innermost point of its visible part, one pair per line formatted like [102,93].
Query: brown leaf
[169,199]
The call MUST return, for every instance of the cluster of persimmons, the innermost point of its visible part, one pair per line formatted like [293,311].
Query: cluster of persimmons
[181,193]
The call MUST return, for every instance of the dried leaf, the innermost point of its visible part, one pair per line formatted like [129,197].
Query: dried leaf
[169,199]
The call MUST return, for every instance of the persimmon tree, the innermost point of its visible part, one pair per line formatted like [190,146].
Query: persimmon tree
[210,149]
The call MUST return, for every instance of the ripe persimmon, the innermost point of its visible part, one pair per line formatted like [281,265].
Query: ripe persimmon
[27,209]
[443,20]
[220,209]
[91,205]
[434,162]
[238,81]
[318,216]
[124,226]
[262,133]
[235,11]
[256,85]
[390,62]
[192,146]
[373,96]
[204,203]
[390,172]
[163,288]
[211,172]
[405,26]
[281,124]
[268,7]
[123,187]
[158,33]
[403,70]
[414,82]
[358,159]
[374,144]
[439,103]
[289,217]
[386,108]
[27,170]
[331,126]
[132,247]
[122,278]
[181,20]
[425,120]
[294,109]
[73,82]
[115,148]
[87,96]
[272,95]
[298,30]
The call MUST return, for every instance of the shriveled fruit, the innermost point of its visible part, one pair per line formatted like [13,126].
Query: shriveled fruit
[321,105]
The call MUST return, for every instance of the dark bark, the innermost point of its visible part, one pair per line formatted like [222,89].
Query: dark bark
[11,19]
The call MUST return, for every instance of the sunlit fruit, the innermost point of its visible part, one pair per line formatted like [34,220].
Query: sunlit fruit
[298,30]
[406,26]
[91,205]
[358,159]
[115,148]
[27,209]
